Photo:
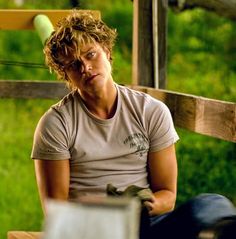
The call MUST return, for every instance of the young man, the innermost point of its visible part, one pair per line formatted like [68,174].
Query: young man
[102,133]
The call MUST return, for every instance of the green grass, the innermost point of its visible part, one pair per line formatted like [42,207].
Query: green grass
[19,202]
[206,165]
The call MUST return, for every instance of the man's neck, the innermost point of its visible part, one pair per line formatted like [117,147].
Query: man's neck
[103,104]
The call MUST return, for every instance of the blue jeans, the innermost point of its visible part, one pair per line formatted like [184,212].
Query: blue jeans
[189,219]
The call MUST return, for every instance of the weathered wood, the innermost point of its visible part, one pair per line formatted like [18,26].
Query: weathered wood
[149,43]
[162,43]
[11,19]
[142,43]
[226,8]
[201,115]
[23,235]
[210,117]
[32,89]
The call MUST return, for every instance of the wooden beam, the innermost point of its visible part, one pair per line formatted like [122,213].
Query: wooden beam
[149,43]
[11,19]
[162,24]
[155,41]
[24,235]
[210,117]
[142,43]
[135,44]
[32,89]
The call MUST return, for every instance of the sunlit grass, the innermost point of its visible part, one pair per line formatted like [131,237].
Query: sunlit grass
[19,202]
[206,165]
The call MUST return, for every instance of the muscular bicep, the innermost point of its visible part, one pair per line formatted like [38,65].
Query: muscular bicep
[53,177]
[162,167]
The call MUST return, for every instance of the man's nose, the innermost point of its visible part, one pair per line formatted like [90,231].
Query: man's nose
[86,66]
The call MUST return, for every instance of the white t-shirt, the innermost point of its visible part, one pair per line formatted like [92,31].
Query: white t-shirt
[104,151]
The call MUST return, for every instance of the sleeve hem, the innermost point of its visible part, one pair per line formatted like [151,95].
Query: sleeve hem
[165,144]
[45,156]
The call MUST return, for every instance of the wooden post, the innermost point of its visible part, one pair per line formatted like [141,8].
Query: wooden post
[155,42]
[142,43]
[162,42]
[149,43]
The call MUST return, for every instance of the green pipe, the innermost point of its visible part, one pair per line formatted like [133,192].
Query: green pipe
[43,26]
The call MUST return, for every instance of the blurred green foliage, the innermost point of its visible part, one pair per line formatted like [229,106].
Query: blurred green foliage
[201,61]
[201,54]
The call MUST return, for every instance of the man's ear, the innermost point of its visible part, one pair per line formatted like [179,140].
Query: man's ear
[108,53]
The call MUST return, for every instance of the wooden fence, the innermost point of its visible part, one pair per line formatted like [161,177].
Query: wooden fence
[201,115]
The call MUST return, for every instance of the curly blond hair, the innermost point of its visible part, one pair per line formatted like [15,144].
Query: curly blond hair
[70,33]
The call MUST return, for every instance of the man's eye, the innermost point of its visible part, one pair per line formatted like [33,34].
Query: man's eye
[91,54]
[75,65]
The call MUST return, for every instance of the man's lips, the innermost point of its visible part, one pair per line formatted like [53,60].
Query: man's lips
[90,78]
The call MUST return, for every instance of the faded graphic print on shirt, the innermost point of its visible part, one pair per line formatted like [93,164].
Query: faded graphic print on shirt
[138,142]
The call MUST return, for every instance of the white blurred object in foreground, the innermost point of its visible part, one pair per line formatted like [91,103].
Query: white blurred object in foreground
[90,218]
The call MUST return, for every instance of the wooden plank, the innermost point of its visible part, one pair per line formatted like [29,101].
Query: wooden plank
[23,235]
[32,89]
[11,19]
[201,115]
[209,117]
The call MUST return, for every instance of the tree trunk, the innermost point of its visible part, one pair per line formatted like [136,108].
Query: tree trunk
[226,8]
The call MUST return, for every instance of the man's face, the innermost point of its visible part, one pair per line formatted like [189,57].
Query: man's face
[90,69]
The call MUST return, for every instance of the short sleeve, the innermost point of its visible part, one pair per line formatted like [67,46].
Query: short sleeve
[161,129]
[51,137]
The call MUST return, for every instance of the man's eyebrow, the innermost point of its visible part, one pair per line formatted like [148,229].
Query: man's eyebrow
[83,52]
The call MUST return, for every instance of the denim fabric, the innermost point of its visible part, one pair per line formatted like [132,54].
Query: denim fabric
[189,219]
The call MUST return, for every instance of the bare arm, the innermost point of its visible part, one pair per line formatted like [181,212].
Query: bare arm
[162,167]
[53,178]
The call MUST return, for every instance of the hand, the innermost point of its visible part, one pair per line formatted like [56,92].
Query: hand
[152,206]
[160,202]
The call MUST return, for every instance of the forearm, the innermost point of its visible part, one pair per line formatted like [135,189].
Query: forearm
[45,194]
[163,180]
[52,180]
